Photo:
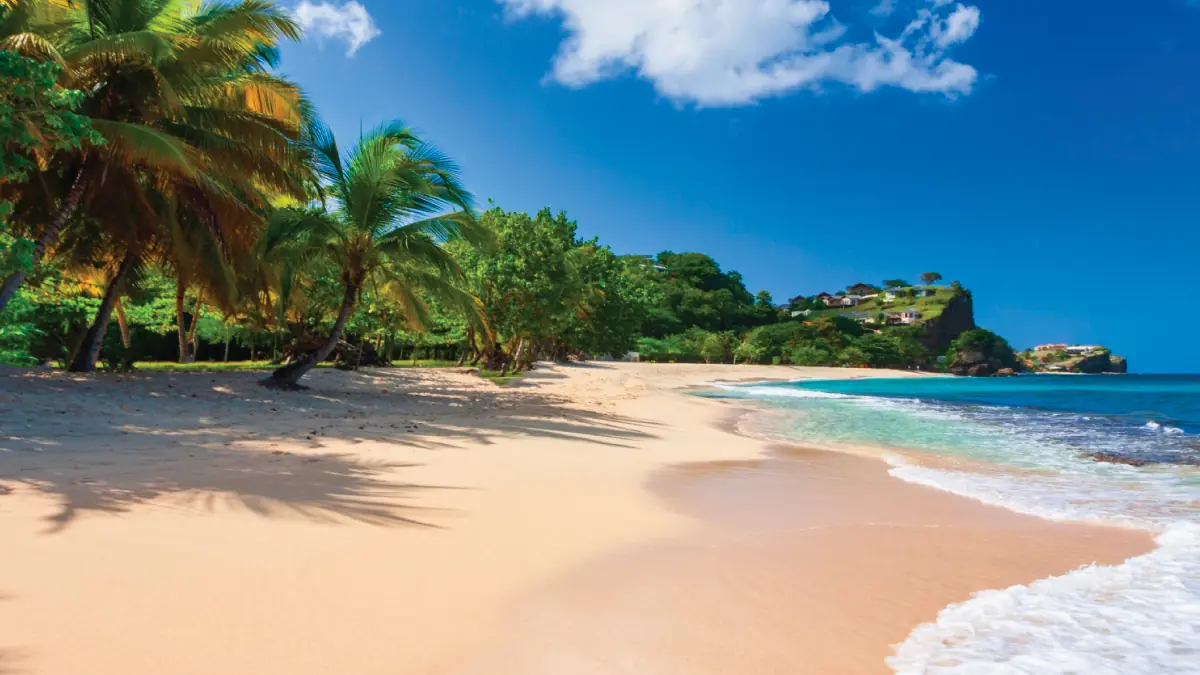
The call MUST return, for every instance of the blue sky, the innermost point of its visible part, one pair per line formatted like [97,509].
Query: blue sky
[1046,153]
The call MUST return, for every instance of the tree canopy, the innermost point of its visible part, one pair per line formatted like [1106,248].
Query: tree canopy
[156,169]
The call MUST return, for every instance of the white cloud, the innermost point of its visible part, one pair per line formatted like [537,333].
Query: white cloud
[958,27]
[350,22]
[733,52]
[884,8]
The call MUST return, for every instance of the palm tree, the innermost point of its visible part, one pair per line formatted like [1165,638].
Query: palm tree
[389,206]
[197,132]
[182,95]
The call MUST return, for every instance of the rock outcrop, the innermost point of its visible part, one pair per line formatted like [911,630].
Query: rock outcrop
[982,353]
[976,364]
[1093,363]
[957,318]
[1100,362]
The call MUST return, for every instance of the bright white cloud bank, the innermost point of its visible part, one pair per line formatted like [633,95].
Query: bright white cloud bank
[732,52]
[349,22]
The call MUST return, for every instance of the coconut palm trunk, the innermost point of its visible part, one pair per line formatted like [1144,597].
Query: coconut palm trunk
[181,329]
[49,236]
[288,377]
[123,323]
[89,350]
[192,347]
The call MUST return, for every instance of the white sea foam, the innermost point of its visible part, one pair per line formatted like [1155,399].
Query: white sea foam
[1142,616]
[1136,618]
[781,392]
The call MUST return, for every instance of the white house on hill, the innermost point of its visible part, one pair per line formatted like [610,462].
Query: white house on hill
[906,318]
[917,292]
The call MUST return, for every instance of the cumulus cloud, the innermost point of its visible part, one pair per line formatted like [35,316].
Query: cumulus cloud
[958,27]
[349,22]
[733,52]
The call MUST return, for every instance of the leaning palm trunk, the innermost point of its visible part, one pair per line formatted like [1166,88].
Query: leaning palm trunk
[49,236]
[288,377]
[123,323]
[89,349]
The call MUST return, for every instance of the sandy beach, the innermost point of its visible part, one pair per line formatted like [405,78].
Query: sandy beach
[593,519]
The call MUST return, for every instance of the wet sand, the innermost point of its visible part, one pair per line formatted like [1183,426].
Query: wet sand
[809,561]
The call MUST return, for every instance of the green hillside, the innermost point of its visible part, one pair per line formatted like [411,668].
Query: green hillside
[930,307]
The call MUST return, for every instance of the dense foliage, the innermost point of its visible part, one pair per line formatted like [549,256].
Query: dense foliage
[37,119]
[158,171]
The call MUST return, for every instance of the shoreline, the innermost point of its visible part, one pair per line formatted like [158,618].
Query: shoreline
[397,521]
[681,617]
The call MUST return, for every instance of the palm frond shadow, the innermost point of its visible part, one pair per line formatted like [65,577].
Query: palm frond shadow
[228,444]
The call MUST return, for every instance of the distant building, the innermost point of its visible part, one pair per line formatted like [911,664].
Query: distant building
[1083,349]
[905,318]
[861,289]
[1052,347]
[914,291]
[654,263]
[829,299]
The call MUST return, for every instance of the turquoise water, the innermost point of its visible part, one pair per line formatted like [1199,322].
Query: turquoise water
[1040,438]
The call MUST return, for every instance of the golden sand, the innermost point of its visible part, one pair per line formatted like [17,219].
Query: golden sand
[428,522]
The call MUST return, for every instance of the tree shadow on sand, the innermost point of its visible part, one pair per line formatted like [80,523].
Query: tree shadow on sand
[202,441]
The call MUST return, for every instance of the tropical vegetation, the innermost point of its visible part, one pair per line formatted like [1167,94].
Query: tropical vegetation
[157,170]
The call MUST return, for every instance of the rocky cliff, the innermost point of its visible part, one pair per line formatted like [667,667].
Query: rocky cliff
[1099,361]
[957,318]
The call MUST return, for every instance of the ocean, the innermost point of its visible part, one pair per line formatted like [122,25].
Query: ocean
[1118,450]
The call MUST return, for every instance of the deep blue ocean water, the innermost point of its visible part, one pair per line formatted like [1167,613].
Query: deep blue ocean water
[1042,445]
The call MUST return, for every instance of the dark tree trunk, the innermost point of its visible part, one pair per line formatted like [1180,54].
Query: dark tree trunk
[514,362]
[49,236]
[89,349]
[191,338]
[468,347]
[181,322]
[288,377]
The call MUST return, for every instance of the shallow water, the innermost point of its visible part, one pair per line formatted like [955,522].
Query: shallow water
[1030,444]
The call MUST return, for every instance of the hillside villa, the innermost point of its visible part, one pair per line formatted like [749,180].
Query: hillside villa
[859,293]
[841,300]
[862,289]
[904,318]
[1070,349]
[917,292]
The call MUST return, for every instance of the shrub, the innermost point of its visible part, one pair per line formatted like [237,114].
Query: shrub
[809,355]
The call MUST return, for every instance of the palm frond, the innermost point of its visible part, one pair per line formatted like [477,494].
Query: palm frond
[136,144]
